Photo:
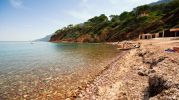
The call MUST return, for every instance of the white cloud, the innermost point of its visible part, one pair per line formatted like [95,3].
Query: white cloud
[84,0]
[114,2]
[83,15]
[86,9]
[16,3]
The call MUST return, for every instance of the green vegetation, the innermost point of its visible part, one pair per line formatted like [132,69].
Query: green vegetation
[127,25]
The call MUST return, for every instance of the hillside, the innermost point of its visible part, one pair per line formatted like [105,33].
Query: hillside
[150,18]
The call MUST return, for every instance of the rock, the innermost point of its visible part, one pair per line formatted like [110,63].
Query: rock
[177,86]
[142,73]
[67,99]
[157,84]
[25,96]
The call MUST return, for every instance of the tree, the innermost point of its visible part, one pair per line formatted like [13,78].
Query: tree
[114,18]
[124,15]
[98,19]
[142,10]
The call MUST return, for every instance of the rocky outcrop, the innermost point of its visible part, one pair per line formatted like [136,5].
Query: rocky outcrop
[162,74]
[85,38]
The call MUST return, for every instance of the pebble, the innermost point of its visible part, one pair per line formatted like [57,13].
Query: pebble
[67,99]
[25,96]
[55,93]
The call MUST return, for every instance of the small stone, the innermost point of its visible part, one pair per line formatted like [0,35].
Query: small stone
[55,93]
[93,98]
[142,73]
[177,86]
[67,99]
[80,95]
[25,96]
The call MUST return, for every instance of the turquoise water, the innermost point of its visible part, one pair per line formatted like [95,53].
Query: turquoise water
[43,70]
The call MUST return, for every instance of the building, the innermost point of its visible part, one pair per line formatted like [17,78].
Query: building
[174,32]
[145,36]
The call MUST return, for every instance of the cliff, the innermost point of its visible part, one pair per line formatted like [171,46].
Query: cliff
[150,18]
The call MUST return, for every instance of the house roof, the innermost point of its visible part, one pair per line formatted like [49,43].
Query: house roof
[174,29]
[147,34]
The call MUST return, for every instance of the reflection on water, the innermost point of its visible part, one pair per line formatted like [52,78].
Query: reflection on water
[49,70]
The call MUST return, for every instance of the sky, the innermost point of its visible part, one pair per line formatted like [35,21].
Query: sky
[26,20]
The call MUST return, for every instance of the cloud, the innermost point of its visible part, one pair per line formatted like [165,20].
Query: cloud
[84,0]
[114,2]
[83,15]
[16,3]
[86,9]
[89,8]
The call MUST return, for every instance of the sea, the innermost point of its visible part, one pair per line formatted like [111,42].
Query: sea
[50,71]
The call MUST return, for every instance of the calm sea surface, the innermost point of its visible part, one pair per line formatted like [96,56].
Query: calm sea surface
[48,71]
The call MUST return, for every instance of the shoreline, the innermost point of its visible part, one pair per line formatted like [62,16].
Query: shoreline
[107,67]
[142,73]
[51,80]
[148,72]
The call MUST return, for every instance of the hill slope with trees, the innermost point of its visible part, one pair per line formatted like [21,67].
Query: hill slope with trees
[150,18]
